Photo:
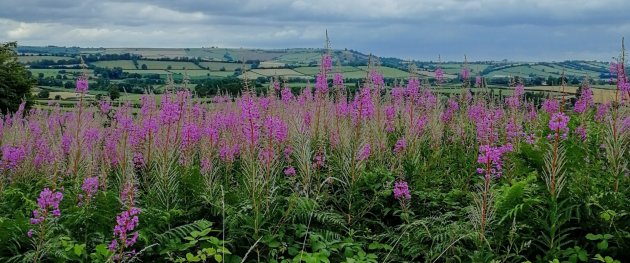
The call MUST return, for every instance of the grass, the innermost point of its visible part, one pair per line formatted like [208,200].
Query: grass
[164,64]
[192,73]
[54,72]
[315,70]
[148,71]
[216,66]
[274,72]
[26,59]
[124,64]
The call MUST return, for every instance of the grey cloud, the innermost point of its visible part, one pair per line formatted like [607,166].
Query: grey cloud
[484,29]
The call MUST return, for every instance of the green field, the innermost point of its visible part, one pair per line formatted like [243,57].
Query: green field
[216,66]
[315,70]
[28,59]
[124,64]
[152,64]
[148,71]
[54,72]
[192,73]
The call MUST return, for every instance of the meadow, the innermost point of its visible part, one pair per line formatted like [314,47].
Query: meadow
[407,173]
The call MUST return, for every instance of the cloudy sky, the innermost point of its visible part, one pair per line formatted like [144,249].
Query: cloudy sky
[533,30]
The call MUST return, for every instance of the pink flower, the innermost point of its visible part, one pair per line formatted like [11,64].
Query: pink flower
[401,145]
[439,76]
[401,191]
[465,73]
[82,85]
[290,171]
[559,122]
[365,153]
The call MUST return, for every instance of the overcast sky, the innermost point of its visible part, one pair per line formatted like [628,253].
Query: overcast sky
[533,30]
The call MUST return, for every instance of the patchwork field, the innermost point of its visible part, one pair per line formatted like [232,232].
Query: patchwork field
[216,66]
[28,59]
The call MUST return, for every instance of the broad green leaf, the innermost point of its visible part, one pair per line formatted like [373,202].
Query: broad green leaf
[602,245]
[78,249]
[608,236]
[582,255]
[293,251]
[348,253]
[274,244]
[590,236]
[194,233]
[191,258]
[374,245]
[205,232]
[218,258]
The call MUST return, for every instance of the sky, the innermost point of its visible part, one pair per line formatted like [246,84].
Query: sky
[525,30]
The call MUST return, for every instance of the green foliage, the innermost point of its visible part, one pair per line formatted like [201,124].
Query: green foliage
[114,93]
[15,83]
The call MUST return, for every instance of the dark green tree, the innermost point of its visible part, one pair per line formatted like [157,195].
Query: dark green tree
[44,94]
[70,85]
[114,93]
[144,66]
[15,85]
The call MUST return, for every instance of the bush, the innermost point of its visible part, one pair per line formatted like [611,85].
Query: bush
[43,94]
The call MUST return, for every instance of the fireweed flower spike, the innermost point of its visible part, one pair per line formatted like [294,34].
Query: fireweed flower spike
[48,203]
[401,191]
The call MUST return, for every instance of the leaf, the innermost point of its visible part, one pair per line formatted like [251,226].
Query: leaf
[348,253]
[602,245]
[78,249]
[605,216]
[599,257]
[194,233]
[205,232]
[293,251]
[191,258]
[317,246]
[608,236]
[611,212]
[373,245]
[350,260]
[274,244]
[189,238]
[361,254]
[215,241]
[218,258]
[590,236]
[582,255]
[573,258]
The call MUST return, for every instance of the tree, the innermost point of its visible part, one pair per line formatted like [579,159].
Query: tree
[44,94]
[15,85]
[169,67]
[69,85]
[550,80]
[144,66]
[113,92]
[575,81]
